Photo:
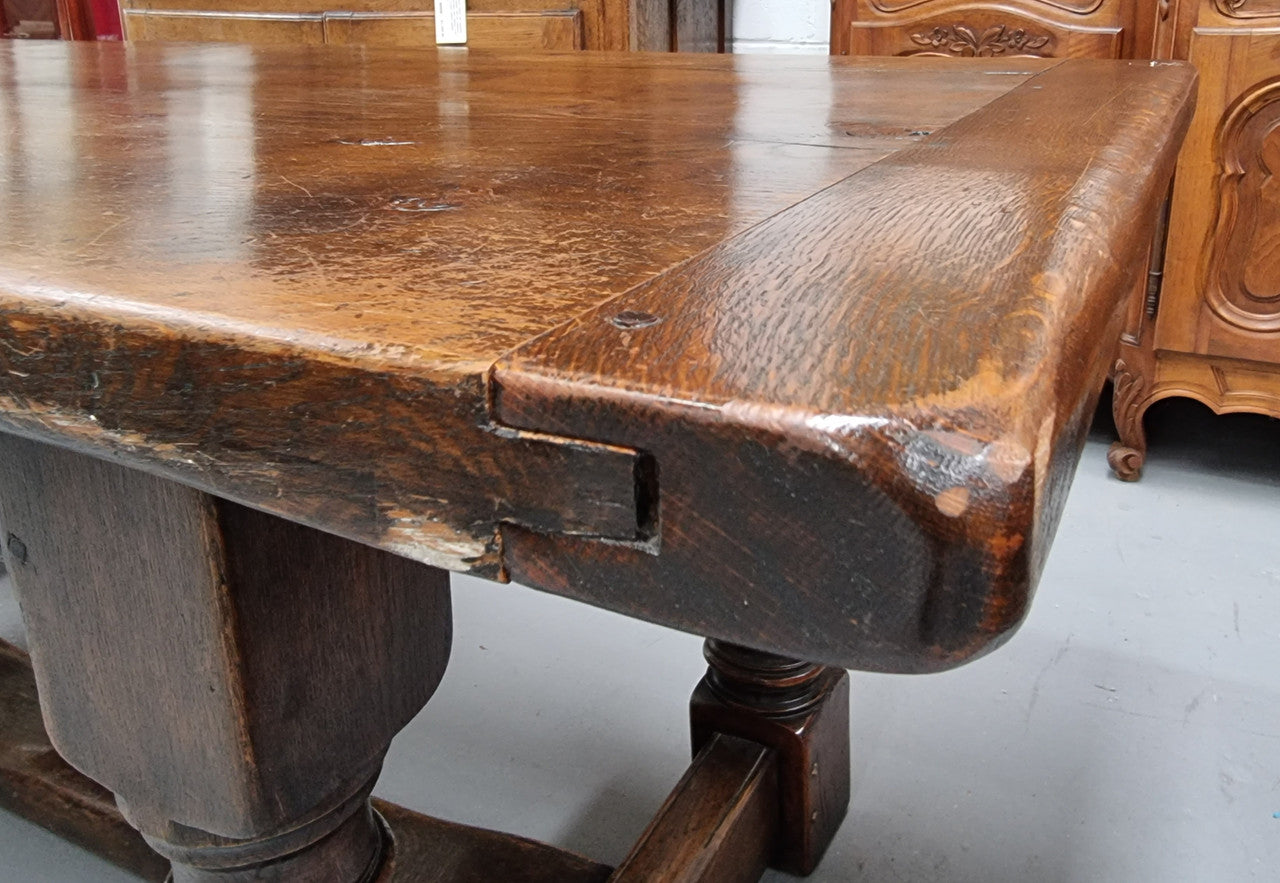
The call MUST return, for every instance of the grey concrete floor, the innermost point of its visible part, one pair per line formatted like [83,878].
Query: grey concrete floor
[1130,731]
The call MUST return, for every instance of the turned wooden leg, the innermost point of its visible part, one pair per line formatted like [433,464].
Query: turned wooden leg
[800,710]
[1128,405]
[234,679]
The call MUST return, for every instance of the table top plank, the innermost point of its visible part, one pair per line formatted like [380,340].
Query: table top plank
[324,197]
[282,275]
[915,352]
[372,292]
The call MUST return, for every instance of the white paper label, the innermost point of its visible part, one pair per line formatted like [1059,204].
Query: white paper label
[451,22]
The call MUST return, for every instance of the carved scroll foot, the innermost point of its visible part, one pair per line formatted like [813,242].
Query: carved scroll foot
[1128,405]
[1126,462]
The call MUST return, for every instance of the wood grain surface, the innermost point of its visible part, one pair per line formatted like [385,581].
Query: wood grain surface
[430,850]
[233,678]
[718,825]
[285,277]
[870,405]
[40,786]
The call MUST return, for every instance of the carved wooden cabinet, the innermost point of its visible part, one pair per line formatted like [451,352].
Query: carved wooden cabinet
[1206,324]
[686,25]
[1212,331]
[1057,28]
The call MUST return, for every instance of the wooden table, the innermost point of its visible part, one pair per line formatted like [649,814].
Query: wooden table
[795,354]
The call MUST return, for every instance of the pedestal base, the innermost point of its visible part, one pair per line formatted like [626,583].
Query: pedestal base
[721,824]
[37,784]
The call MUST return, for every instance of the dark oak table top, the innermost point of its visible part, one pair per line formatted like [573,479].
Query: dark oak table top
[794,352]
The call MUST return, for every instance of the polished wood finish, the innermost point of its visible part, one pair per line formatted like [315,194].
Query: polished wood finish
[511,25]
[946,435]
[573,462]
[250,319]
[1208,325]
[680,336]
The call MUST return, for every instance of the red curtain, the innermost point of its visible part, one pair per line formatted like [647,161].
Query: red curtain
[106,19]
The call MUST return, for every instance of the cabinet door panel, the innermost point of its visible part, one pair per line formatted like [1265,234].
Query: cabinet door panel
[261,28]
[501,24]
[1249,8]
[513,31]
[1222,279]
[983,33]
[1077,7]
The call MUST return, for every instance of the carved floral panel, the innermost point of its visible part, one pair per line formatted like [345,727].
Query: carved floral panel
[1079,7]
[967,42]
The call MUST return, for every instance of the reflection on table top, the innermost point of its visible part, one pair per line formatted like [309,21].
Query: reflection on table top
[791,351]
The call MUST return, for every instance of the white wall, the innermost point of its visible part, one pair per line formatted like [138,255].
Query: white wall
[781,25]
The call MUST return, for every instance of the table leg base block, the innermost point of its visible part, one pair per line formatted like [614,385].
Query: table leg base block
[346,844]
[38,785]
[808,728]
[728,795]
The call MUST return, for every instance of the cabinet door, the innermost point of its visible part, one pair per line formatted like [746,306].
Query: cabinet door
[210,26]
[491,24]
[1222,274]
[512,30]
[1041,28]
[1245,10]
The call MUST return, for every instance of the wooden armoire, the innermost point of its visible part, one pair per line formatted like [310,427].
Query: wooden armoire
[1207,323]
[657,25]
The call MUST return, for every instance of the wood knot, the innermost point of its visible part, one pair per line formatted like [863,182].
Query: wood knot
[17,548]
[953,501]
[629,320]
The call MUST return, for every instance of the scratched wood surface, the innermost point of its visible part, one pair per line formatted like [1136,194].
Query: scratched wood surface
[286,277]
[880,395]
